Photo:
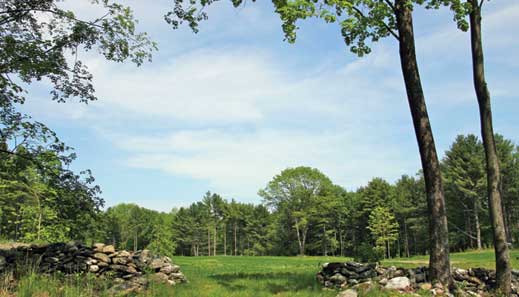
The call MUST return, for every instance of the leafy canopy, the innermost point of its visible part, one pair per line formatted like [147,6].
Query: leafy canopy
[40,40]
[361,22]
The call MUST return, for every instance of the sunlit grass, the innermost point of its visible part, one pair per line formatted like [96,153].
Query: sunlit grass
[223,276]
[252,276]
[483,258]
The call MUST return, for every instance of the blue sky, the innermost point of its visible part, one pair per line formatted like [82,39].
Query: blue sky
[228,108]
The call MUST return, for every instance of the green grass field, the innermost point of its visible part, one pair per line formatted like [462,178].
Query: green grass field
[484,258]
[240,276]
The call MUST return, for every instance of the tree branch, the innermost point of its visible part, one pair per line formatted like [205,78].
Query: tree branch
[390,4]
[37,163]
[381,22]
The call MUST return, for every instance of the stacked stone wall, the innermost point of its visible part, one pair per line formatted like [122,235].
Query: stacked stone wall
[130,271]
[352,275]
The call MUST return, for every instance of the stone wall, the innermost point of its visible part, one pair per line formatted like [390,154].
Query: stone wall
[351,275]
[127,269]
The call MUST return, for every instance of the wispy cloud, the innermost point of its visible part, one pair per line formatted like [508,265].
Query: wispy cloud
[220,108]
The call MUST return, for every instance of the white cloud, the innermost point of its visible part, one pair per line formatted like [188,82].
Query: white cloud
[238,164]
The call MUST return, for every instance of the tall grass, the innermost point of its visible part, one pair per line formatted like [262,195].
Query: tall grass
[27,282]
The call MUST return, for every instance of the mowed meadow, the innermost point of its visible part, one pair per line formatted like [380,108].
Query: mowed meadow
[288,276]
[224,276]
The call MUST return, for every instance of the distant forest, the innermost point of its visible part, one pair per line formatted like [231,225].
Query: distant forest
[302,212]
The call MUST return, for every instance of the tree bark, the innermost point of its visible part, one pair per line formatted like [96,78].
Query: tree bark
[477,224]
[508,219]
[39,217]
[398,252]
[214,241]
[439,263]
[208,241]
[325,253]
[305,232]
[503,269]
[235,239]
[225,239]
[299,240]
[469,242]
[406,240]
[341,243]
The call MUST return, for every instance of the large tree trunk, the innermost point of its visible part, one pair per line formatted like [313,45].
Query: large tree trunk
[503,274]
[439,264]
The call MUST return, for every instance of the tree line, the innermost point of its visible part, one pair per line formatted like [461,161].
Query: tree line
[305,213]
[302,213]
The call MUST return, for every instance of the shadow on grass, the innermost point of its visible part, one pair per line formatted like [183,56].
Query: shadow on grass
[275,282]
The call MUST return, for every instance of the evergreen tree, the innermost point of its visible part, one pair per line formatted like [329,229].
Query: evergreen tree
[465,181]
[384,229]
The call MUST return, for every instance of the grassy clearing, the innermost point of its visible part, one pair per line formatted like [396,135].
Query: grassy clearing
[252,276]
[235,276]
[256,276]
[483,258]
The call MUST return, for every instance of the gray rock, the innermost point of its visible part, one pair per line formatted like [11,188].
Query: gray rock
[102,264]
[124,254]
[167,269]
[398,283]
[159,276]
[90,261]
[175,268]
[123,268]
[98,247]
[420,277]
[102,257]
[140,280]
[120,260]
[93,268]
[178,276]
[109,249]
[156,264]
[348,293]
[338,279]
[145,257]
